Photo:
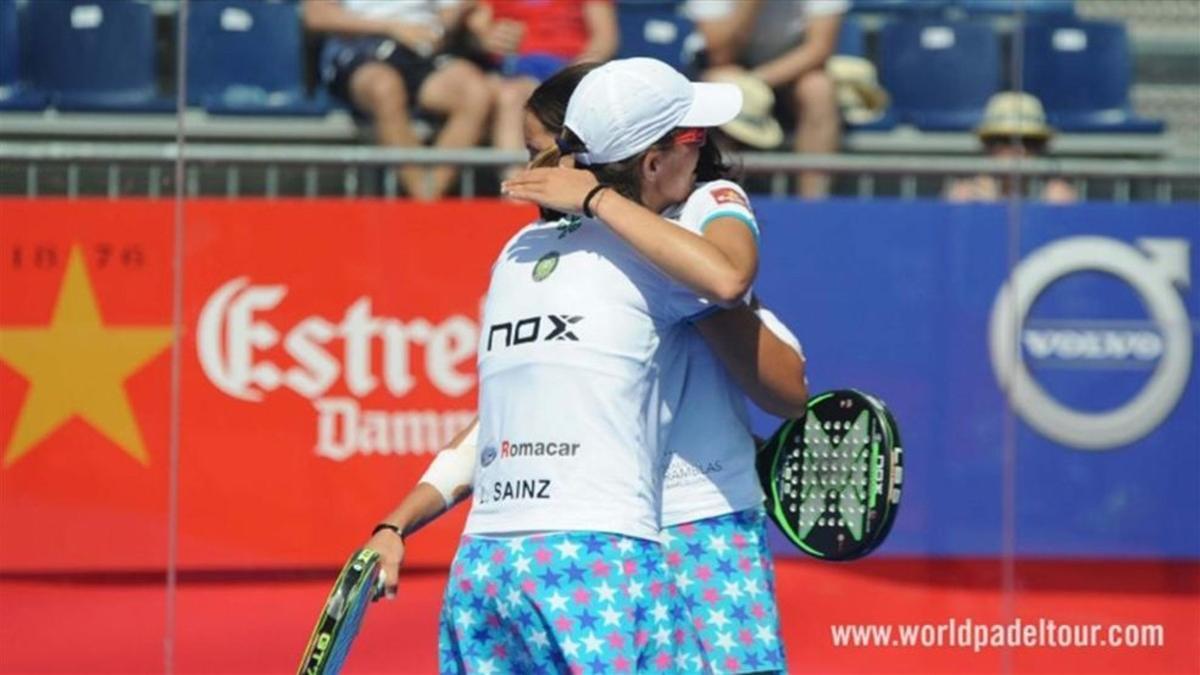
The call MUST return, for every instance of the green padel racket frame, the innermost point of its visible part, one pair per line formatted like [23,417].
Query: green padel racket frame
[356,585]
[833,478]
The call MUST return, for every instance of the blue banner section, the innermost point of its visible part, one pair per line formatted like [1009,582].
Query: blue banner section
[1056,344]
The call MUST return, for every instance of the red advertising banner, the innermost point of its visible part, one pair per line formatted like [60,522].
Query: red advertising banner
[327,350]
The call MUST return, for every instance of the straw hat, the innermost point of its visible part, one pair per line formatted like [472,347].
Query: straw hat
[1014,113]
[859,94]
[755,125]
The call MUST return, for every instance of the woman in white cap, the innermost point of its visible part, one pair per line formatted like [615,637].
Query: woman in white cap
[714,524]
[711,493]
[560,568]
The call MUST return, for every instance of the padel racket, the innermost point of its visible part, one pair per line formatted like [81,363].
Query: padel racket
[357,583]
[833,477]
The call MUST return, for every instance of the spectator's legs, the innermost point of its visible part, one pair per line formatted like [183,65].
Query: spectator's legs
[459,91]
[377,89]
[508,125]
[818,127]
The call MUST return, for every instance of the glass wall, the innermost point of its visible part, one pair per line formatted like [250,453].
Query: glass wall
[230,340]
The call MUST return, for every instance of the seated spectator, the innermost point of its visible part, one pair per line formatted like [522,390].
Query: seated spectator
[755,126]
[529,40]
[1014,125]
[383,57]
[861,99]
[785,45]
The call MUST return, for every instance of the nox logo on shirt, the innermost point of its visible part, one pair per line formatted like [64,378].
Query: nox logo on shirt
[551,327]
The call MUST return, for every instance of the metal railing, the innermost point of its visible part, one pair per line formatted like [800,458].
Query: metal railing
[75,169]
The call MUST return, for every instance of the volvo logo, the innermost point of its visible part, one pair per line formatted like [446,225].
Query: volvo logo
[1157,270]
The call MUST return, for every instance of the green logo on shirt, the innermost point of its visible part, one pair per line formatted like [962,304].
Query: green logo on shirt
[545,266]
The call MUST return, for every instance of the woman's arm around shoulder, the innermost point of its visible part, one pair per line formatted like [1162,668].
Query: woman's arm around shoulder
[761,355]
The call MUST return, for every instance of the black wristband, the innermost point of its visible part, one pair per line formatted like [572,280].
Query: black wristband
[387,526]
[587,201]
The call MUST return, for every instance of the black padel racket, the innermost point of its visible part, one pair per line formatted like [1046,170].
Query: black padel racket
[357,583]
[833,477]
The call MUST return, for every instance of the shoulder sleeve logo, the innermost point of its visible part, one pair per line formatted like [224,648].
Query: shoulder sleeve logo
[728,195]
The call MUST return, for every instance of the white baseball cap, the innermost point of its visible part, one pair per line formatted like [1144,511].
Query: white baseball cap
[625,106]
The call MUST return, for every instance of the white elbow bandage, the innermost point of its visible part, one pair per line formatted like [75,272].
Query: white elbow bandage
[454,467]
[781,331]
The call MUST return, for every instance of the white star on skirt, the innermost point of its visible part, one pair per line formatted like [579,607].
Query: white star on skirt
[717,543]
[481,570]
[568,549]
[592,643]
[557,602]
[682,581]
[659,612]
[717,617]
[607,593]
[611,616]
[538,637]
[465,618]
[752,588]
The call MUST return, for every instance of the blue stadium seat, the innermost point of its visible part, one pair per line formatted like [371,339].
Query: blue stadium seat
[654,28]
[1081,71]
[15,93]
[940,74]
[897,6]
[852,41]
[245,57]
[1033,8]
[95,55]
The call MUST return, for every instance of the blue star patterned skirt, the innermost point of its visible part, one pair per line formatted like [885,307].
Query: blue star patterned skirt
[725,576]
[565,602]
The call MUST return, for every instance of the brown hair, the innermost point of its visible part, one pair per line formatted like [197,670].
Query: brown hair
[548,104]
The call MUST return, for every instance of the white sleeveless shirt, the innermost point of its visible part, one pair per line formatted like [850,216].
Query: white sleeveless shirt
[575,329]
[712,471]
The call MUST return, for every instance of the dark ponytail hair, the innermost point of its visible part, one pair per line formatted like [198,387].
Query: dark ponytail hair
[548,104]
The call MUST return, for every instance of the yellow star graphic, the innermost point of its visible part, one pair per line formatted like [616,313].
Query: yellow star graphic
[78,366]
